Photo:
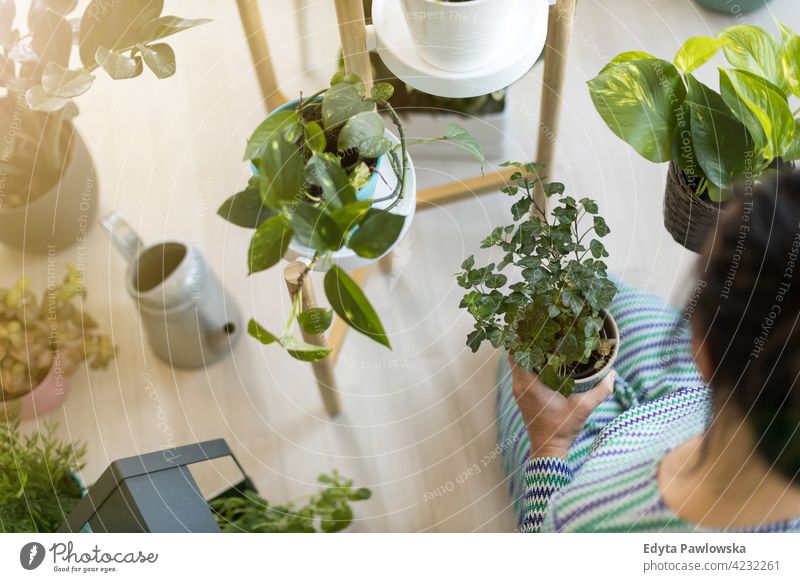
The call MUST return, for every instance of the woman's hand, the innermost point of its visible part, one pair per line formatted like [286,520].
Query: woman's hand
[553,420]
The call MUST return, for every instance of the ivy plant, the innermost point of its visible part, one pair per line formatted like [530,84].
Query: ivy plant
[328,511]
[310,162]
[715,137]
[550,318]
[38,488]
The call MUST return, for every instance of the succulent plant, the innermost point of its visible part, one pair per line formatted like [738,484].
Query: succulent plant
[36,334]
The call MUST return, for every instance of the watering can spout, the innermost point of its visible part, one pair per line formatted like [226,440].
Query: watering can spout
[122,235]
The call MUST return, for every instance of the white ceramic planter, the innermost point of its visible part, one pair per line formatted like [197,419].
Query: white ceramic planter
[346,259]
[62,216]
[460,36]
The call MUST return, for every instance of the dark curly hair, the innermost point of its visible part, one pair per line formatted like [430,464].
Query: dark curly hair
[748,314]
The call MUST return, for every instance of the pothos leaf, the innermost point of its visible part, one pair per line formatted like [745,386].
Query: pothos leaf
[350,303]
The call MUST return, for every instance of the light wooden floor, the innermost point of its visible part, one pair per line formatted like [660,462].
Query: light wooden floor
[169,152]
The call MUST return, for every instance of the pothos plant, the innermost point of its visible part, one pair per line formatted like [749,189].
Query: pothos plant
[40,80]
[550,320]
[312,161]
[715,137]
[329,509]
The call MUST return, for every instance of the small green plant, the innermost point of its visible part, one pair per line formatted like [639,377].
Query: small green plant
[716,138]
[329,510]
[311,161]
[38,487]
[40,81]
[551,320]
[35,335]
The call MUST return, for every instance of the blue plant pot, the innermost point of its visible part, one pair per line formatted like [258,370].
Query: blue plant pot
[367,192]
[733,7]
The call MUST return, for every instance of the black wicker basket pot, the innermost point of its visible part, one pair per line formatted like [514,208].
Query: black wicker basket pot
[687,217]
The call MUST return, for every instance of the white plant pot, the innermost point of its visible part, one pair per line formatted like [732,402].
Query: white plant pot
[60,217]
[460,36]
[346,259]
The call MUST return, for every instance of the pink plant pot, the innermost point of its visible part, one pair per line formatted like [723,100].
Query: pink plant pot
[47,396]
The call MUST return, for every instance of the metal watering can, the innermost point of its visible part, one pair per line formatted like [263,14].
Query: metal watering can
[189,318]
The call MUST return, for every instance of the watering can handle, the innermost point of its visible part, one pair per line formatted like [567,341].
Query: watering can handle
[122,235]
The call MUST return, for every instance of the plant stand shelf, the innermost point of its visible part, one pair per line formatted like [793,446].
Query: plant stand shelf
[357,39]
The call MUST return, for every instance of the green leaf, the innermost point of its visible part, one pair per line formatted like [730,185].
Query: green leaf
[303,351]
[314,137]
[282,167]
[767,104]
[115,25]
[341,517]
[350,215]
[376,233]
[461,137]
[382,91]
[39,100]
[117,65]
[790,59]
[722,145]
[159,58]
[360,494]
[597,249]
[350,303]
[793,153]
[600,226]
[364,132]
[66,83]
[752,49]
[165,26]
[360,175]
[269,243]
[325,170]
[625,57]
[315,320]
[341,102]
[256,330]
[639,101]
[275,126]
[695,52]
[245,208]
[314,228]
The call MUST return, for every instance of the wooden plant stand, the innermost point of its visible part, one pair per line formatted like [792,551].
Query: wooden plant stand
[353,35]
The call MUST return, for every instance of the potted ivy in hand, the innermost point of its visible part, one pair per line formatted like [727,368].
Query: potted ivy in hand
[48,188]
[317,164]
[711,139]
[43,343]
[554,321]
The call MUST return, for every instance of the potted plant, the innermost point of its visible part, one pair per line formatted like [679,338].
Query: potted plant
[317,162]
[554,321]
[43,343]
[731,7]
[711,139]
[39,483]
[329,510]
[47,180]
[459,35]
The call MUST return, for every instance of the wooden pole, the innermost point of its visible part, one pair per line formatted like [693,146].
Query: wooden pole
[559,32]
[253,26]
[298,278]
[353,34]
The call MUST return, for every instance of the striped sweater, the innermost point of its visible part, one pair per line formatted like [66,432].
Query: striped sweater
[608,482]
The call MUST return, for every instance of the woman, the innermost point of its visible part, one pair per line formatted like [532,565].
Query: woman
[697,430]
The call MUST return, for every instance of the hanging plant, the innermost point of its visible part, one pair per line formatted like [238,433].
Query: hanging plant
[316,165]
